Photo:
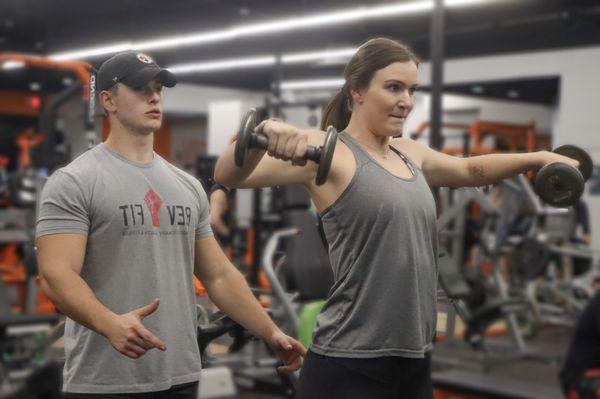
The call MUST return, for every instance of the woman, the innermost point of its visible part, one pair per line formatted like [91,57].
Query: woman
[373,337]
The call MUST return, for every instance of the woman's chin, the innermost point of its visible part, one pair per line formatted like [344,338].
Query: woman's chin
[394,130]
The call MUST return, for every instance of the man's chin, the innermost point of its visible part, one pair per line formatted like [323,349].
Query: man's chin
[151,128]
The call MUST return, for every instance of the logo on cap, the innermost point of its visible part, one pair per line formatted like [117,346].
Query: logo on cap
[144,58]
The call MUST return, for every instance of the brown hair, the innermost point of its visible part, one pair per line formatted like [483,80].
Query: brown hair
[370,57]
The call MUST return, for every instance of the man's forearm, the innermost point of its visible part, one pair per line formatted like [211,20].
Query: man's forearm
[71,294]
[492,168]
[232,295]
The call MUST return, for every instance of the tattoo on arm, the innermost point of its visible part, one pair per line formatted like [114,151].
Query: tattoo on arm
[477,172]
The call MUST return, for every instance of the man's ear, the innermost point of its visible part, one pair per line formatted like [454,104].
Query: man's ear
[107,101]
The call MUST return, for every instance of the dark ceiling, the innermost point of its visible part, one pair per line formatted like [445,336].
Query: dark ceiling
[46,27]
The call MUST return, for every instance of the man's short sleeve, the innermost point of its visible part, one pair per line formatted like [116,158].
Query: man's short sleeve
[203,228]
[63,207]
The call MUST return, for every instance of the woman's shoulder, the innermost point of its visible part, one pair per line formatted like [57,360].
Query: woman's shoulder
[317,138]
[413,149]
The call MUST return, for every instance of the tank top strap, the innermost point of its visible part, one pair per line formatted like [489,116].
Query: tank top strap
[414,168]
[358,152]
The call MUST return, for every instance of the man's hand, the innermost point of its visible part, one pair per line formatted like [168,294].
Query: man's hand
[287,349]
[128,335]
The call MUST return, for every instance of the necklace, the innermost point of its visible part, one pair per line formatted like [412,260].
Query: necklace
[384,155]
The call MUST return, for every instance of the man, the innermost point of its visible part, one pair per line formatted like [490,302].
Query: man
[580,373]
[119,234]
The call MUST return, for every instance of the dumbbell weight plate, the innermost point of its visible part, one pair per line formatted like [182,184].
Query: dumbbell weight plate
[326,155]
[586,165]
[559,184]
[244,136]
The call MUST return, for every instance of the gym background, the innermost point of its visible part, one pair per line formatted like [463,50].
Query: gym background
[497,75]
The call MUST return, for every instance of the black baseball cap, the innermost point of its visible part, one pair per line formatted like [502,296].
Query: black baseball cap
[133,69]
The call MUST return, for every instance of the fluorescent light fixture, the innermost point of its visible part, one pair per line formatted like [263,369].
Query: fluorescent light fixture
[10,65]
[224,64]
[513,94]
[312,84]
[187,40]
[326,19]
[91,53]
[264,60]
[317,55]
[466,3]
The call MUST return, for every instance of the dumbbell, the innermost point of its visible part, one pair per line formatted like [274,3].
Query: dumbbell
[247,139]
[560,184]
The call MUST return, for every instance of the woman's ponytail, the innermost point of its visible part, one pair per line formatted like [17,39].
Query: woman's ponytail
[337,112]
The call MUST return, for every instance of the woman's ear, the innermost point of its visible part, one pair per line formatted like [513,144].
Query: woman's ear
[356,97]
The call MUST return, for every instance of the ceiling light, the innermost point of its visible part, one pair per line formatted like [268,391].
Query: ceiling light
[312,84]
[93,52]
[223,64]
[317,55]
[265,60]
[9,65]
[326,19]
[512,94]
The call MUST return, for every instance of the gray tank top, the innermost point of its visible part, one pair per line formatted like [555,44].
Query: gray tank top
[383,248]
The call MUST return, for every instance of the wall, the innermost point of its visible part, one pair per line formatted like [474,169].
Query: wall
[224,109]
[188,135]
[467,109]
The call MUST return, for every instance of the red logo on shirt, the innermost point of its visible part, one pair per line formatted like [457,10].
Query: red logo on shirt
[153,202]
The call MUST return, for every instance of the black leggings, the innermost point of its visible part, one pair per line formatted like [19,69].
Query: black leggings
[381,378]
[183,391]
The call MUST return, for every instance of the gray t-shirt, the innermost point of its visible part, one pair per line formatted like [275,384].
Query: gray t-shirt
[141,222]
[383,247]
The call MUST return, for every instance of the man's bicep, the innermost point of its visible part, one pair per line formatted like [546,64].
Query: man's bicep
[209,260]
[59,252]
[63,207]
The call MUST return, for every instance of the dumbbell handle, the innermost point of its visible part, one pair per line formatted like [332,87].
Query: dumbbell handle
[261,141]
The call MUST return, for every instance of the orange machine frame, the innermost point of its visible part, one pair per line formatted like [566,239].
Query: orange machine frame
[80,68]
[11,268]
[516,135]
